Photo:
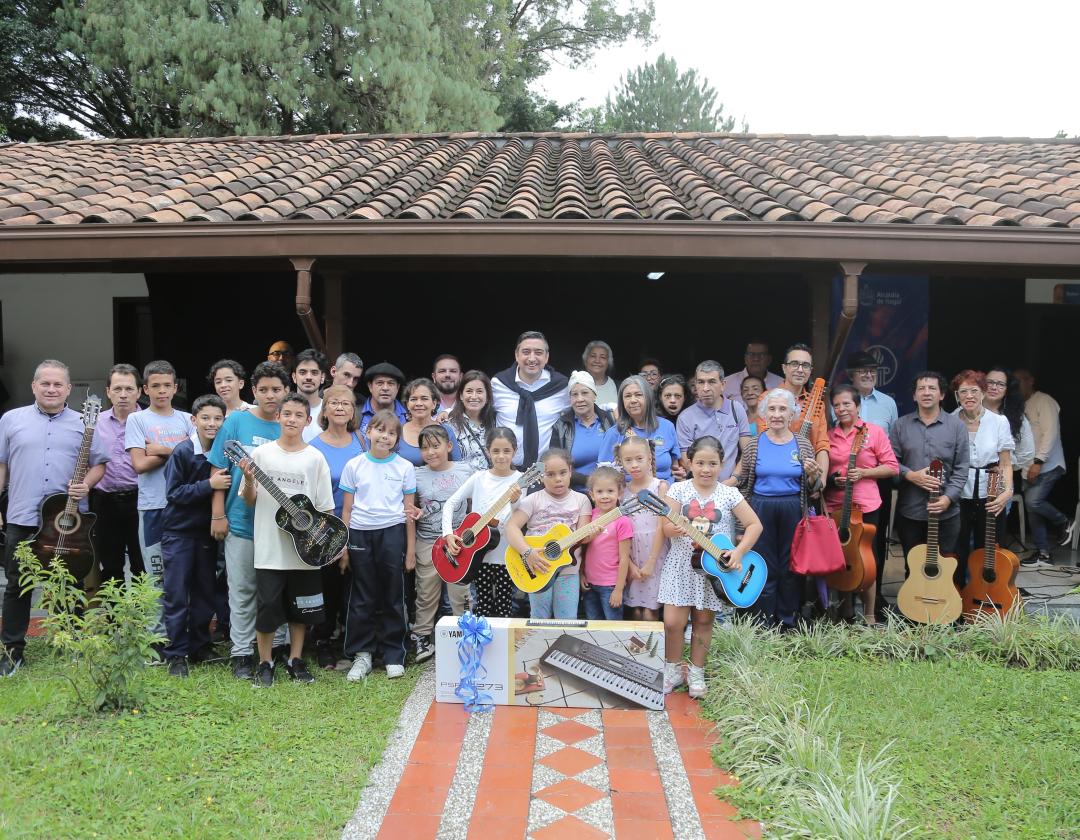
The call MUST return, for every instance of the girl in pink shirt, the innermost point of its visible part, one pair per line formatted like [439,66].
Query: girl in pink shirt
[607,558]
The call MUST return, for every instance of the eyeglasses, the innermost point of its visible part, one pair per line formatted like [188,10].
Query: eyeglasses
[969,392]
[996,383]
[800,365]
[279,353]
[341,404]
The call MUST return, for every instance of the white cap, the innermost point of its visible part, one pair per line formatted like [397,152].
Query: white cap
[582,377]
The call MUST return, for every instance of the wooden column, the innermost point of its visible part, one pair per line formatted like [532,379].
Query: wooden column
[334,312]
[820,286]
[303,266]
[849,308]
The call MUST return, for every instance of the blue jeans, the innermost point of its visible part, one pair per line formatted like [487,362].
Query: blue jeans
[1039,510]
[559,600]
[598,604]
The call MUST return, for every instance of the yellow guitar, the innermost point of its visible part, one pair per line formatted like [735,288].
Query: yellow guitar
[555,545]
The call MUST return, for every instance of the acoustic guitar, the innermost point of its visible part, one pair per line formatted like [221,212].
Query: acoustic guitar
[555,545]
[856,536]
[929,596]
[478,534]
[318,537]
[66,533]
[741,587]
[992,569]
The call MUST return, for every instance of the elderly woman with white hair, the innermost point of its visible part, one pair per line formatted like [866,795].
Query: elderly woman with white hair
[777,468]
[599,362]
[636,415]
[580,429]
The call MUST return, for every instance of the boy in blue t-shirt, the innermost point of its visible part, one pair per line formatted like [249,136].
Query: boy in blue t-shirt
[232,520]
[149,438]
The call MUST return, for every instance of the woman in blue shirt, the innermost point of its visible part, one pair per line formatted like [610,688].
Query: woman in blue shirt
[776,467]
[339,443]
[580,429]
[637,416]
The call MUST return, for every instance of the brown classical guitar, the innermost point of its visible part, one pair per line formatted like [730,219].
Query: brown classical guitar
[928,596]
[66,533]
[992,569]
[856,536]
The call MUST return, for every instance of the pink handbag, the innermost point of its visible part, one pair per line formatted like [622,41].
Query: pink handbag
[815,548]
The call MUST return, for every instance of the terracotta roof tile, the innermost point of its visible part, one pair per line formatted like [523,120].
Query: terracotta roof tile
[777,178]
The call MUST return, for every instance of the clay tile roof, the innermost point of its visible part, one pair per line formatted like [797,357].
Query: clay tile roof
[987,182]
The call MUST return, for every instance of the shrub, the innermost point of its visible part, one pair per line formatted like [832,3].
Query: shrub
[109,640]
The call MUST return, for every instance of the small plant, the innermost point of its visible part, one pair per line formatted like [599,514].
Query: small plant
[108,640]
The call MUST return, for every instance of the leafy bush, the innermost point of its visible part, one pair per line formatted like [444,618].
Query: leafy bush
[108,640]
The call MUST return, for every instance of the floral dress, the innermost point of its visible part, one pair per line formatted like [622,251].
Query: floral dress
[680,585]
[645,593]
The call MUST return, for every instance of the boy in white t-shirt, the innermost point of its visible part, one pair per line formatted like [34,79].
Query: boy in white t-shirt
[378,488]
[287,589]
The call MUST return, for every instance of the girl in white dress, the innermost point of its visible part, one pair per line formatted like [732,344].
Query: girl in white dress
[713,508]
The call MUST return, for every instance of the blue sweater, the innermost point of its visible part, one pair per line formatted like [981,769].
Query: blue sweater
[187,490]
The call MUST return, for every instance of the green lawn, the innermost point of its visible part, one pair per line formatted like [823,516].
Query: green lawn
[208,757]
[980,750]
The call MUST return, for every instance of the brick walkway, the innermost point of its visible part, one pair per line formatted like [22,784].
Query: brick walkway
[566,774]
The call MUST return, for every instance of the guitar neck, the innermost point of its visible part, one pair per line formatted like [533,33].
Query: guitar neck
[849,487]
[82,463]
[932,531]
[594,527]
[696,535]
[990,537]
[270,486]
[496,506]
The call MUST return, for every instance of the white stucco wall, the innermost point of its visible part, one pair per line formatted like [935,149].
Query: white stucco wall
[62,316]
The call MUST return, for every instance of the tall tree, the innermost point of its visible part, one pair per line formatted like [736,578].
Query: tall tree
[657,97]
[141,68]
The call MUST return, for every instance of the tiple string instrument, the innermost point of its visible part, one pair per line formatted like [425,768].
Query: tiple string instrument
[555,545]
[856,536]
[66,533]
[929,596]
[478,535]
[992,569]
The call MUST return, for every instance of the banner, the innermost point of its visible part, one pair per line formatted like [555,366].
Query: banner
[891,325]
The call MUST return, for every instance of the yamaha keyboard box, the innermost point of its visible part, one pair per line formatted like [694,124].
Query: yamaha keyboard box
[560,663]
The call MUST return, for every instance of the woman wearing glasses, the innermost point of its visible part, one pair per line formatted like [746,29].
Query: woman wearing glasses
[339,443]
[991,442]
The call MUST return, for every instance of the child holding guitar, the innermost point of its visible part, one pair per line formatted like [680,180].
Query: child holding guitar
[286,589]
[686,594]
[494,589]
[535,515]
[650,546]
[607,561]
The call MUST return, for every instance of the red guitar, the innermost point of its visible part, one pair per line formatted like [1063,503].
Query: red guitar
[478,534]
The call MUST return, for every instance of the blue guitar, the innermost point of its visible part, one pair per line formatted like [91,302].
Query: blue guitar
[743,587]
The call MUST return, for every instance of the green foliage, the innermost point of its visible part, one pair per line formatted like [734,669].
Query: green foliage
[978,712]
[146,68]
[108,640]
[657,97]
[209,758]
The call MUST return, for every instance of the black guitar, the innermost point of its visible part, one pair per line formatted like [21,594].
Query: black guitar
[317,537]
[66,533]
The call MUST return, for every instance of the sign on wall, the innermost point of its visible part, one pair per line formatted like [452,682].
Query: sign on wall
[891,325]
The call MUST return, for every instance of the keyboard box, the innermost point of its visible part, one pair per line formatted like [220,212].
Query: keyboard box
[557,663]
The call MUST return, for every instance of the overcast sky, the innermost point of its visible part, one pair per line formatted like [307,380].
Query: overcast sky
[951,67]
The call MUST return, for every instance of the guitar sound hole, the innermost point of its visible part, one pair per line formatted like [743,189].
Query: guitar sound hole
[931,570]
[468,538]
[66,523]
[302,520]
[989,575]
[845,535]
[551,551]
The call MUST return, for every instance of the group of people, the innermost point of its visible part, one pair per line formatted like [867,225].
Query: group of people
[735,454]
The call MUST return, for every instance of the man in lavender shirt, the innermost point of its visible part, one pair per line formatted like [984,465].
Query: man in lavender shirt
[39,445]
[713,415]
[115,498]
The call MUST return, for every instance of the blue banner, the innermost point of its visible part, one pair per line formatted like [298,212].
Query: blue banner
[891,325]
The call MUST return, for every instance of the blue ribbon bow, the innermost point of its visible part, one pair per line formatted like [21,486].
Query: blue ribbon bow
[475,635]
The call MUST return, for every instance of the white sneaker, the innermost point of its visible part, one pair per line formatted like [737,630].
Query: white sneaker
[361,667]
[696,682]
[674,676]
[394,671]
